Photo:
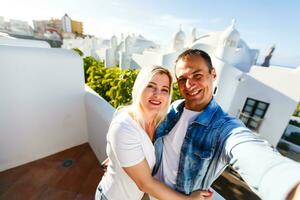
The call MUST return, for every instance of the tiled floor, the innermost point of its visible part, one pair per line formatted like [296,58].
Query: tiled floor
[47,178]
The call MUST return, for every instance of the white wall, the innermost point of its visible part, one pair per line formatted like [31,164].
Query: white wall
[42,108]
[110,60]
[99,115]
[169,59]
[24,42]
[226,82]
[283,79]
[279,111]
[147,59]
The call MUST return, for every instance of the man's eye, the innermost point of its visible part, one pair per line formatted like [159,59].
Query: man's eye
[182,80]
[149,86]
[198,76]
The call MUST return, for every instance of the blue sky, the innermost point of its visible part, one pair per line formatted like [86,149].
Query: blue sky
[261,23]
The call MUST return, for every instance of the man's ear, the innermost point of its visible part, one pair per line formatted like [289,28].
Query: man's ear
[214,73]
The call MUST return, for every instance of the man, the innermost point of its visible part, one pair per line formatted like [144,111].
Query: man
[198,140]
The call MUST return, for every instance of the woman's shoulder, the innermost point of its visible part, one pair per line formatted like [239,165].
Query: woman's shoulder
[121,116]
[123,128]
[122,119]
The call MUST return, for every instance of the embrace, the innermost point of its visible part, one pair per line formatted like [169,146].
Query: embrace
[177,151]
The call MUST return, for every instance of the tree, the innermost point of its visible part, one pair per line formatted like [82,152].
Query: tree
[88,62]
[77,50]
[297,111]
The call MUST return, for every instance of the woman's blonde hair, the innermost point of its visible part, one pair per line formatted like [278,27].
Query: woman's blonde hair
[141,82]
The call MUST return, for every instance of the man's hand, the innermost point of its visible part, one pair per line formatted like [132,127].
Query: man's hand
[104,164]
[202,195]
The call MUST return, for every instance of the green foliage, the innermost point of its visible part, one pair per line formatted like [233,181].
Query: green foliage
[295,123]
[77,50]
[91,62]
[113,84]
[297,111]
[176,95]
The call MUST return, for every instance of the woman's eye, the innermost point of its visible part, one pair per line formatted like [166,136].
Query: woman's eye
[149,86]
[165,90]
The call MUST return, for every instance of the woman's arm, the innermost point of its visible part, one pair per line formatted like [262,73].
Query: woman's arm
[141,175]
[126,145]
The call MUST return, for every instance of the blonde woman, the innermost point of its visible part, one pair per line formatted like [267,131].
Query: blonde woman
[130,149]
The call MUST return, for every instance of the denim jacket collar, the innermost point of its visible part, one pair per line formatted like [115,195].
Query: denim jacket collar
[206,115]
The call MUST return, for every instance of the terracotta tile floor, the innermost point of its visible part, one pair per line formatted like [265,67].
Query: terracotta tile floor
[47,178]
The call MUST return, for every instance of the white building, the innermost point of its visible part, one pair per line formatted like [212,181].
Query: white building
[263,98]
[18,27]
[2,24]
[114,51]
[90,46]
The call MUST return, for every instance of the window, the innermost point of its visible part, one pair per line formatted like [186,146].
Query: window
[253,113]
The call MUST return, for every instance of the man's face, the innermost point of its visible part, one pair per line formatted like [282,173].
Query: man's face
[195,82]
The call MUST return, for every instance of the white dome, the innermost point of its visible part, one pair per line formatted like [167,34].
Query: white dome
[179,35]
[231,33]
[178,40]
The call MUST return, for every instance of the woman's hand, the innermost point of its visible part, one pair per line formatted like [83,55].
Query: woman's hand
[202,195]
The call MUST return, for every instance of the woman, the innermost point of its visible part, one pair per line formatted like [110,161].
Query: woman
[129,142]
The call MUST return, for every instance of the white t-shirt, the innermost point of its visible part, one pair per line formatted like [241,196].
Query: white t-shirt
[127,145]
[168,169]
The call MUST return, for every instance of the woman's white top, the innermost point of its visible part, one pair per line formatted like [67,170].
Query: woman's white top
[127,145]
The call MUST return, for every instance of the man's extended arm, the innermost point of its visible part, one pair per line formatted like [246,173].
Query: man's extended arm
[295,193]
[267,172]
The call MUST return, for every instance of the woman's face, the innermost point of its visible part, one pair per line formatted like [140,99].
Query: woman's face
[155,96]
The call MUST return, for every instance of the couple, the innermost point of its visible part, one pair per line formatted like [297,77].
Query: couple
[193,143]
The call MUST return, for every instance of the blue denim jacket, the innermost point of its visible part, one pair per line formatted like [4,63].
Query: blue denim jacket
[202,145]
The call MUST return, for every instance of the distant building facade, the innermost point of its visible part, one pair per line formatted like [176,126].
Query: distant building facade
[53,31]
[252,93]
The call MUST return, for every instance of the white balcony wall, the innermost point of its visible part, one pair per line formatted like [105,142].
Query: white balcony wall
[99,115]
[42,109]
[24,42]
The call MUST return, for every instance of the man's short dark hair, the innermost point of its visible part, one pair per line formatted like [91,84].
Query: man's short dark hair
[195,52]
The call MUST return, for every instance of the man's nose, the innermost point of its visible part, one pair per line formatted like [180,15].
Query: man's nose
[189,83]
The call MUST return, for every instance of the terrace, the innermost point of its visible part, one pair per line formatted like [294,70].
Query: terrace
[53,128]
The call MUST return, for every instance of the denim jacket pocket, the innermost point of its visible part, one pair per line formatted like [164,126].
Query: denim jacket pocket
[201,162]
[203,154]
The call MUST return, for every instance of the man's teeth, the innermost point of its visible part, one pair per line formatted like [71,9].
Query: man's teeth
[193,93]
